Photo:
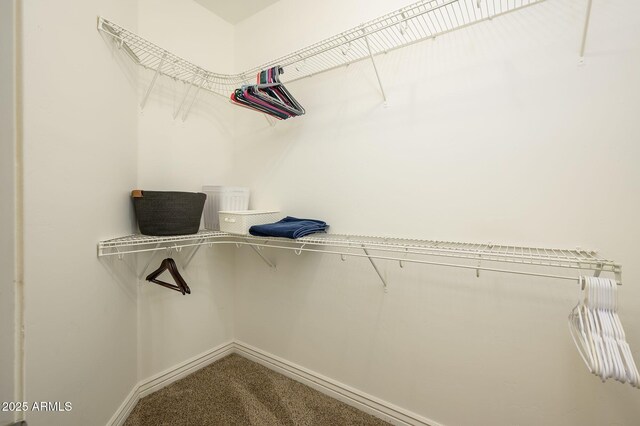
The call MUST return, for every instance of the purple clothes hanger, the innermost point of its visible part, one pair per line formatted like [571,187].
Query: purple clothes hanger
[269,96]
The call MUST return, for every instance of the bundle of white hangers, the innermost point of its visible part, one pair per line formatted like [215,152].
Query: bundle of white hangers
[598,333]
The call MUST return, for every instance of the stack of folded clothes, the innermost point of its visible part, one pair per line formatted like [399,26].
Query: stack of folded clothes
[289,227]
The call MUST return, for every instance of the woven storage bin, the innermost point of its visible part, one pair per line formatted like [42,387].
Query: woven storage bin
[163,213]
[225,198]
[239,222]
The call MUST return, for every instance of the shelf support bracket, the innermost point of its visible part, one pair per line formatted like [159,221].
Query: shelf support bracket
[267,261]
[270,120]
[583,44]
[375,68]
[153,81]
[186,93]
[405,255]
[384,282]
[122,259]
[192,254]
[195,95]
[598,270]
[618,274]
[144,270]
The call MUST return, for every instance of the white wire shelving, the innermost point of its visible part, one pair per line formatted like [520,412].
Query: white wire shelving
[532,261]
[419,21]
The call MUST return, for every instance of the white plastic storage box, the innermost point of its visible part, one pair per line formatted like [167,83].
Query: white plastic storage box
[239,222]
[226,198]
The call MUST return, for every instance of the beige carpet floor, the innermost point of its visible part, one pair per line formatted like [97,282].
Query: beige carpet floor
[236,391]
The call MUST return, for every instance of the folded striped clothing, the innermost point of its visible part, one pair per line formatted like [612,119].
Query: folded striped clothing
[289,227]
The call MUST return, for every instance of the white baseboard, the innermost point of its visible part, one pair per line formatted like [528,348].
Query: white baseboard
[360,400]
[175,373]
[183,369]
[125,408]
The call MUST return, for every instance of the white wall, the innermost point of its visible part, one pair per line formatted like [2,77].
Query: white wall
[7,207]
[184,155]
[80,155]
[92,332]
[487,137]
[493,133]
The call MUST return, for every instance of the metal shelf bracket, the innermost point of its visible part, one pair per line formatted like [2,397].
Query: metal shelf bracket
[192,254]
[153,81]
[617,272]
[384,282]
[598,270]
[375,68]
[195,95]
[186,93]
[585,31]
[146,266]
[262,256]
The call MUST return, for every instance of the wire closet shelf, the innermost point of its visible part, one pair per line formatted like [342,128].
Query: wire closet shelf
[419,21]
[475,256]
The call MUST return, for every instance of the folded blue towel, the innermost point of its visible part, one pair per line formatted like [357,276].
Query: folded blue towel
[289,227]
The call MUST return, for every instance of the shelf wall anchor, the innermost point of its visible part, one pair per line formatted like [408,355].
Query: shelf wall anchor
[153,81]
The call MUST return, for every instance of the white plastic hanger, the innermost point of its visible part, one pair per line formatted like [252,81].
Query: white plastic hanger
[587,347]
[631,371]
[601,305]
[610,313]
[577,330]
[598,334]
[594,331]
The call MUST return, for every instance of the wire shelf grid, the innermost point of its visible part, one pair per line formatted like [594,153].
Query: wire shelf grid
[419,21]
[135,240]
[396,249]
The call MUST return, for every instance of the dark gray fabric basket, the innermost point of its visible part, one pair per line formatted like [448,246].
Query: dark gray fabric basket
[168,213]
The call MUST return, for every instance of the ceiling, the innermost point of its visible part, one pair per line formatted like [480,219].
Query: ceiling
[234,11]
